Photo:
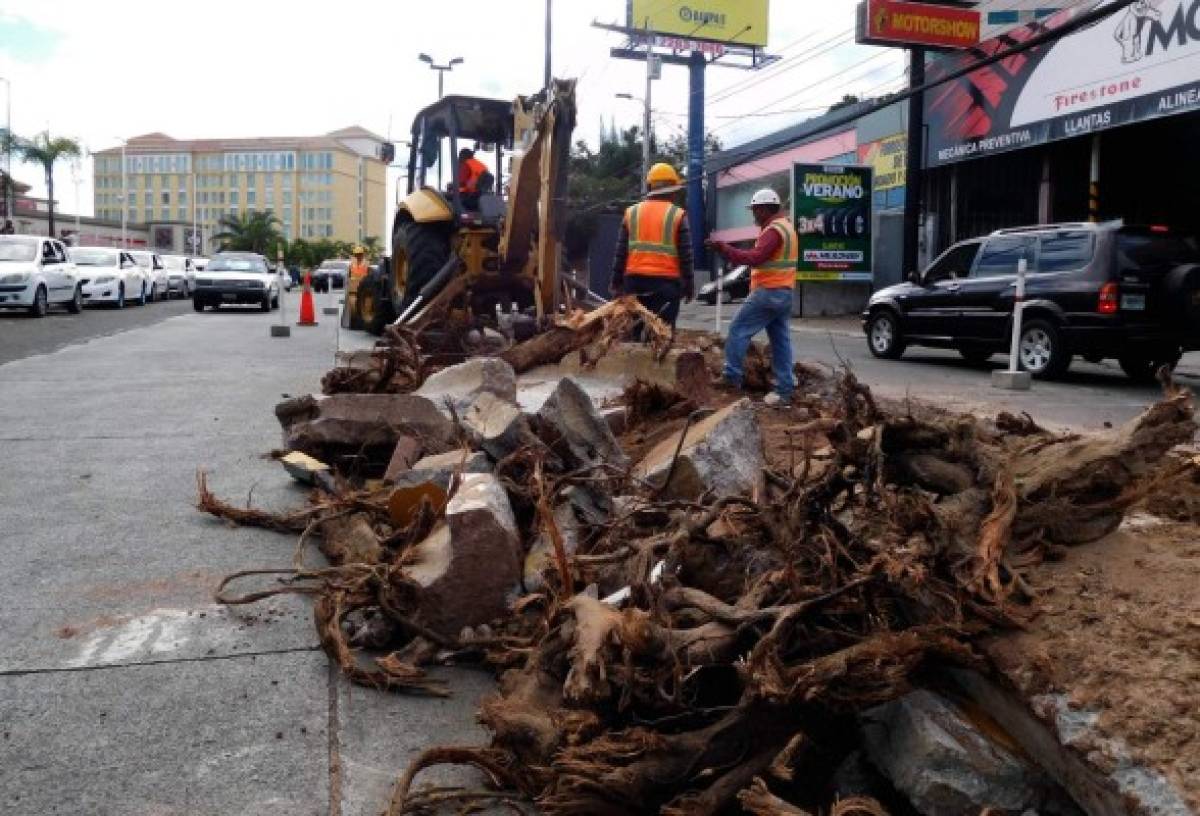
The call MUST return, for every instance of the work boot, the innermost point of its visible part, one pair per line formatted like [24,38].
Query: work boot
[774,400]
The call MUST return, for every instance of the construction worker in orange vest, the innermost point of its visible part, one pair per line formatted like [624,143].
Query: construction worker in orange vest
[772,262]
[654,250]
[471,173]
[358,266]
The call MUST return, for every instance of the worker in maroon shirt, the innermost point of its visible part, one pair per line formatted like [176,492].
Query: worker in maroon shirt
[772,262]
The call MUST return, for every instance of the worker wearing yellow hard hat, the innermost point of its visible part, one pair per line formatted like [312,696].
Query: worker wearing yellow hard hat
[358,266]
[654,249]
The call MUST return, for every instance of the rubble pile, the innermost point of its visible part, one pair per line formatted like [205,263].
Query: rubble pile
[683,620]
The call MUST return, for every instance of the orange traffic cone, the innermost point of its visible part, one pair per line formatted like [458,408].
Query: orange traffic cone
[308,311]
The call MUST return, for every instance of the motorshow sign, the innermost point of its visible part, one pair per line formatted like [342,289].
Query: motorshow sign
[736,22]
[1141,63]
[831,208]
[895,22]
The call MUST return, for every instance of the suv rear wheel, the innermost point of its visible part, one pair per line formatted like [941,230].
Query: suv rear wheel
[1144,368]
[883,335]
[1042,351]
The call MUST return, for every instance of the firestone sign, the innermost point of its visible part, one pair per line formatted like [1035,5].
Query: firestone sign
[894,22]
[1141,63]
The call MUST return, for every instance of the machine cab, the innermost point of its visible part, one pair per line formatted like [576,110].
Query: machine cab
[439,132]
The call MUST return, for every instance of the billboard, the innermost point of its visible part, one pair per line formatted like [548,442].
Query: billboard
[895,22]
[831,208]
[1143,62]
[740,22]
[887,158]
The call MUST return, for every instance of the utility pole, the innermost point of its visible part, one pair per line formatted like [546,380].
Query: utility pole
[914,160]
[549,40]
[194,242]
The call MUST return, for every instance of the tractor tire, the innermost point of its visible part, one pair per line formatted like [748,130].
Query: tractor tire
[371,313]
[418,252]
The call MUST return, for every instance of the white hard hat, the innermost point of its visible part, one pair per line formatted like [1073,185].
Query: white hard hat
[765,196]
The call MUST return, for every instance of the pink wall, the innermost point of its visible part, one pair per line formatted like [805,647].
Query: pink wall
[836,145]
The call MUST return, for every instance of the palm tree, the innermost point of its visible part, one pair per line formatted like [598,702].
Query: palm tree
[251,231]
[43,150]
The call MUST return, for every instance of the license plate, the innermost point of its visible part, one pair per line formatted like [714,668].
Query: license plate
[1133,303]
[228,297]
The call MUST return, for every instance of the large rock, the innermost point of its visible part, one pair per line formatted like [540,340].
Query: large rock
[683,370]
[458,385]
[576,429]
[944,764]
[499,425]
[362,424]
[466,568]
[440,468]
[722,453]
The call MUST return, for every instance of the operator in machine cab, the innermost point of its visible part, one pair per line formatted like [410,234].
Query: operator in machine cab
[473,178]
[358,266]
[654,248]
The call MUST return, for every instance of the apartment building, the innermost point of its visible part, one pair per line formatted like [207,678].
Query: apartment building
[330,186]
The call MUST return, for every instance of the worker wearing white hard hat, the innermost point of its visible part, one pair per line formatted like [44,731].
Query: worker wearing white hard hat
[772,262]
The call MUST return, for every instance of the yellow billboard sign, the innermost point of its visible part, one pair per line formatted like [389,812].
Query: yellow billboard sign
[739,22]
[887,156]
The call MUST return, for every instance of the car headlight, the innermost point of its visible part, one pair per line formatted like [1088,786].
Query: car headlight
[15,277]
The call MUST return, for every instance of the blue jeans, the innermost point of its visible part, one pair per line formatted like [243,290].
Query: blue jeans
[769,309]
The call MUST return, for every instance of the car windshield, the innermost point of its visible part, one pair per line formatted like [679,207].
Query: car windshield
[236,265]
[17,250]
[93,257]
[340,265]
[173,262]
[143,259]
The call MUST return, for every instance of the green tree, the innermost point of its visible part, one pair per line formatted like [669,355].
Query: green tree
[846,101]
[251,231]
[46,151]
[373,247]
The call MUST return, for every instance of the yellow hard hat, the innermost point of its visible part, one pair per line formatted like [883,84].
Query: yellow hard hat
[662,175]
[358,250]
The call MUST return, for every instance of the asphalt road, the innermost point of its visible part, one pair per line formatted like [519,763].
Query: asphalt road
[22,335]
[1088,397]
[126,690]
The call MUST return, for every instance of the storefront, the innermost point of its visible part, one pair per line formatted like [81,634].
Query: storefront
[1101,124]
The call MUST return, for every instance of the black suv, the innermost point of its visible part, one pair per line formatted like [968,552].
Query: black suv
[1093,290]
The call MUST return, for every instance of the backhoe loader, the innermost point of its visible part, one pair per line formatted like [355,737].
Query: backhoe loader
[468,261]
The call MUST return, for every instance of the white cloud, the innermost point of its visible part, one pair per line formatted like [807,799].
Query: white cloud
[268,67]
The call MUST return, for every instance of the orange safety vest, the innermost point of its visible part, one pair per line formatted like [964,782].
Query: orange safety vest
[780,271]
[358,270]
[653,228]
[475,169]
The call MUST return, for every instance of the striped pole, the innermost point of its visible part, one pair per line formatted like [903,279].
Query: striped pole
[1094,181]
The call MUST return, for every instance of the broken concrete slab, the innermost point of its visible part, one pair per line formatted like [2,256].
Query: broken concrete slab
[408,451]
[576,429]
[722,453]
[458,385]
[467,567]
[440,468]
[362,424]
[681,369]
[303,468]
[944,764]
[498,425]
[541,554]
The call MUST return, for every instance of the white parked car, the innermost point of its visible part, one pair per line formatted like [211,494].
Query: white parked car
[180,275]
[35,273]
[236,277]
[109,276]
[156,272]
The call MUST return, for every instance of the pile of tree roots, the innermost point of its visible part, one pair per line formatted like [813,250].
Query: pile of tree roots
[711,655]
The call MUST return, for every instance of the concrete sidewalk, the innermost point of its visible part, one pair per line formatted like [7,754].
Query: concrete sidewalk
[126,689]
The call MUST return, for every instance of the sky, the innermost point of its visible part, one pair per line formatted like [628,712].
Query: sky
[101,72]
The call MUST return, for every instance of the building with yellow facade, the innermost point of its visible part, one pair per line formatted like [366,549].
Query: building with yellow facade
[330,186]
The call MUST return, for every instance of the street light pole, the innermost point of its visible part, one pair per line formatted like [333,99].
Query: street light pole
[9,200]
[124,198]
[441,72]
[646,124]
[75,179]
